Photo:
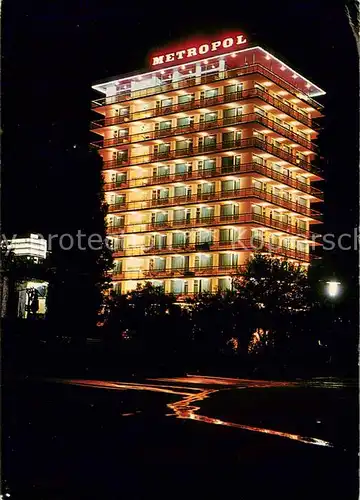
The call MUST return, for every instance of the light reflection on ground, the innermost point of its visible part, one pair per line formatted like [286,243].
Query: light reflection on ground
[185,408]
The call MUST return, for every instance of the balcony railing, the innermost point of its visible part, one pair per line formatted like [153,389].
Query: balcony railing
[206,79]
[191,272]
[211,173]
[233,194]
[206,125]
[206,102]
[174,154]
[223,220]
[246,245]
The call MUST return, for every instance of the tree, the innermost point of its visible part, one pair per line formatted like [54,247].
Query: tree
[80,255]
[149,326]
[277,293]
[274,284]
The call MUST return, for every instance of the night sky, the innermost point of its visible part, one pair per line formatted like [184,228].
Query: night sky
[52,51]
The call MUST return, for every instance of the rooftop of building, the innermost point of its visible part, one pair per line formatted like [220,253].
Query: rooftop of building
[249,56]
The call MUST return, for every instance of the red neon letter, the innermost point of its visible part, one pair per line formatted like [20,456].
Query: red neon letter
[203,49]
[240,39]
[180,54]
[158,60]
[191,52]
[228,42]
[215,45]
[170,57]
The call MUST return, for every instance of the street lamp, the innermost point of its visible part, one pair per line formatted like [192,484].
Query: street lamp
[333,289]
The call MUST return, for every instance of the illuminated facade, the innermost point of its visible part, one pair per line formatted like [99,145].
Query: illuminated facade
[32,247]
[207,156]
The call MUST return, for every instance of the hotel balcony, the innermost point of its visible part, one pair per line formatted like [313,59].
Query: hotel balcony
[251,142]
[247,245]
[252,219]
[193,81]
[258,95]
[234,194]
[243,168]
[208,125]
[191,272]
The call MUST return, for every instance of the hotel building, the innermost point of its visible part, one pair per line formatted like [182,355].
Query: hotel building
[207,156]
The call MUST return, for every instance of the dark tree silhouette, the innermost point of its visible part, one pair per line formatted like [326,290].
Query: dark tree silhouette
[81,265]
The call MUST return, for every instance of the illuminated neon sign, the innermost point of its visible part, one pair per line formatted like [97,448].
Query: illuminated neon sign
[213,48]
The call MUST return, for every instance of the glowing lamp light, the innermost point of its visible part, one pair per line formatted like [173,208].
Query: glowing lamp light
[333,288]
[282,68]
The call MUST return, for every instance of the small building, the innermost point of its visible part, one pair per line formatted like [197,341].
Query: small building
[23,284]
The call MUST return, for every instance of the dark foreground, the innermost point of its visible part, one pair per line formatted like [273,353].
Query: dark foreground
[180,438]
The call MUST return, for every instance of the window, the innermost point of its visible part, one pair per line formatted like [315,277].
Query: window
[203,260]
[211,93]
[183,99]
[178,239]
[230,89]
[160,217]
[162,149]
[287,149]
[208,187]
[181,168]
[165,125]
[229,210]
[177,262]
[207,212]
[257,237]
[203,237]
[276,215]
[118,244]
[166,103]
[230,163]
[159,264]
[210,141]
[163,194]
[232,115]
[210,117]
[302,247]
[186,121]
[203,285]
[228,235]
[257,185]
[178,287]
[276,191]
[261,111]
[231,185]
[179,215]
[229,138]
[118,266]
[258,159]
[180,191]
[286,243]
[224,284]
[228,259]
[183,145]
[209,165]
[260,136]
[257,209]
[163,171]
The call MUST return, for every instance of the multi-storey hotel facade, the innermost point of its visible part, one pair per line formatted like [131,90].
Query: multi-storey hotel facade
[207,157]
